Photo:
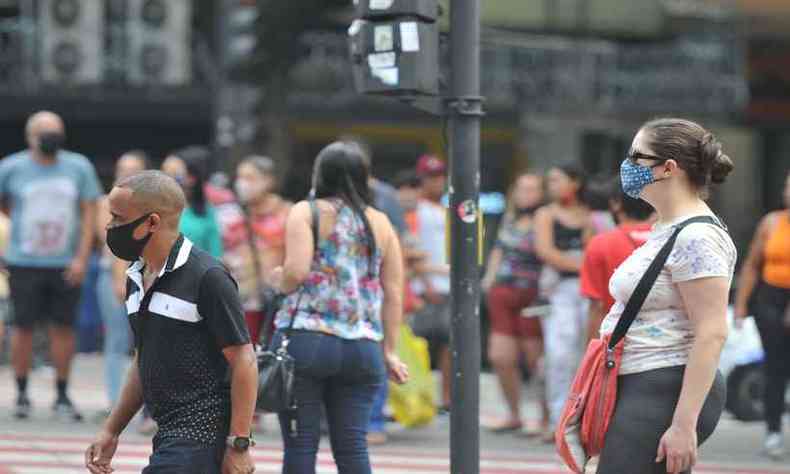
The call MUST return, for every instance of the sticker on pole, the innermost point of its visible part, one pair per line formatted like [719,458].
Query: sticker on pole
[467,211]
[409,37]
[356,25]
[381,60]
[380,4]
[383,38]
[388,75]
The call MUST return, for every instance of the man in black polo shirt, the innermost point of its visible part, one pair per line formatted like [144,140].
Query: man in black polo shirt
[190,337]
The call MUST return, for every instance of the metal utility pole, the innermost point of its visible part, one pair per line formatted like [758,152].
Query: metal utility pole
[395,52]
[464,108]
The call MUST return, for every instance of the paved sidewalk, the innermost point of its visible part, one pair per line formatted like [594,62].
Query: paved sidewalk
[44,445]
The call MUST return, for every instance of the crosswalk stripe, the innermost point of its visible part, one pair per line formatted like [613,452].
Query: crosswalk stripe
[263,457]
[139,445]
[64,455]
[17,448]
[62,465]
[259,468]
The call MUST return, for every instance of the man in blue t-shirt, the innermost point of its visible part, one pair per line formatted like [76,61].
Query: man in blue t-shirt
[51,195]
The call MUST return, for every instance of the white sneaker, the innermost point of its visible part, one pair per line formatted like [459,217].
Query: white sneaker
[774,446]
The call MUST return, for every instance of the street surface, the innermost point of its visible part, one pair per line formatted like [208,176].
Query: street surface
[43,445]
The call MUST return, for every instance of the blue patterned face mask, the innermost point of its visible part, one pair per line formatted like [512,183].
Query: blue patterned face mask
[635,177]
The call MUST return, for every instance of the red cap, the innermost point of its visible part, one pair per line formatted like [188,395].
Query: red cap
[430,165]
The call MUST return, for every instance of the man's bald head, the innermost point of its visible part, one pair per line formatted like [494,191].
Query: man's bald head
[155,192]
[131,162]
[43,122]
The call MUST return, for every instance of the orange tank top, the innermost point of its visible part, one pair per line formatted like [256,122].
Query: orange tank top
[776,267]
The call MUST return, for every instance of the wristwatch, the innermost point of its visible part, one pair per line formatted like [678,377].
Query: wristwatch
[240,443]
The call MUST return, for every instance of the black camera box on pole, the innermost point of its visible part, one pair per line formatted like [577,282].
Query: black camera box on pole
[394,47]
[395,57]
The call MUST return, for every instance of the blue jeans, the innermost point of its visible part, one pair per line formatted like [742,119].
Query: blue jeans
[342,375]
[176,456]
[116,335]
[377,419]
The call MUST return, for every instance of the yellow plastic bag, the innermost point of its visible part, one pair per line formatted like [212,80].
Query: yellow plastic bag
[412,403]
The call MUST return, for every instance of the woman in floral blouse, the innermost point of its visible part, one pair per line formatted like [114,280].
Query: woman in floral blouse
[346,299]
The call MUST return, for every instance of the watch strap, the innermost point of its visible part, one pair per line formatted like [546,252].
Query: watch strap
[230,441]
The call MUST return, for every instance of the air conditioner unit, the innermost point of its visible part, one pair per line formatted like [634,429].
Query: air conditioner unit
[72,40]
[160,49]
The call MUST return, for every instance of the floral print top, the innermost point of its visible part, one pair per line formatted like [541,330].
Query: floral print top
[520,267]
[343,292]
[662,335]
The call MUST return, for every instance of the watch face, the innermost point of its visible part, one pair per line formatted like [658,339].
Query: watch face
[241,443]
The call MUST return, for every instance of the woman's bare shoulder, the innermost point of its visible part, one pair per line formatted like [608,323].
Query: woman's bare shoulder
[377,218]
[380,223]
[545,212]
[770,220]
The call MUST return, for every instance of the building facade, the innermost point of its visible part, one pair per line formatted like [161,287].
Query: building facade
[562,80]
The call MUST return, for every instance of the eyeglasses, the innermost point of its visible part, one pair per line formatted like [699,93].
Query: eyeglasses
[634,155]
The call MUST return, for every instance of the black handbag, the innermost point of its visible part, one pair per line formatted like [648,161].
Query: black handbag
[275,366]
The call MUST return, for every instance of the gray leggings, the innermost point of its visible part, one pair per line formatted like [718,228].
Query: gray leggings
[645,406]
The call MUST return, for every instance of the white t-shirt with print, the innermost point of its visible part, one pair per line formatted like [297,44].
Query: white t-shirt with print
[662,335]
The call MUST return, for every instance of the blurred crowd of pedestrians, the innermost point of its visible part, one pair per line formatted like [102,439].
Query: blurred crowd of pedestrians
[546,283]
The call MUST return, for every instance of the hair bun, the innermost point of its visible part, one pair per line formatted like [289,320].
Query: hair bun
[722,166]
[718,164]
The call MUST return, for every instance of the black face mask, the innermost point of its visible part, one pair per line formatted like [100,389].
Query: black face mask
[50,142]
[527,211]
[122,243]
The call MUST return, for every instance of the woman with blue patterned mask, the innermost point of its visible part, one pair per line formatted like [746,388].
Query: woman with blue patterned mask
[669,376]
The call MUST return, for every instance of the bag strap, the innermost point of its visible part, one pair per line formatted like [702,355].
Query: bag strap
[315,214]
[645,284]
[315,225]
